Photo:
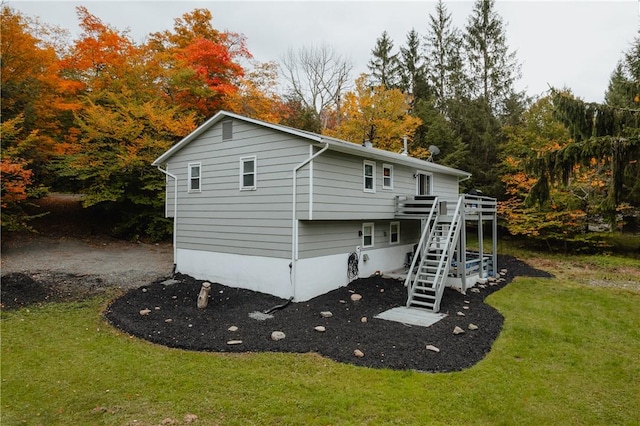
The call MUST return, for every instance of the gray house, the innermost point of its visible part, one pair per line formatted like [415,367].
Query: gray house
[296,214]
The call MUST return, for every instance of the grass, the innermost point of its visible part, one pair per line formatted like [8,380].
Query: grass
[569,353]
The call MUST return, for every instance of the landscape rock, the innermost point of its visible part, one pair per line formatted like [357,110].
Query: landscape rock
[355,297]
[475,290]
[465,307]
[233,328]
[358,353]
[277,335]
[168,320]
[145,311]
[460,314]
[234,342]
[320,329]
[170,282]
[458,330]
[326,314]
[473,327]
[432,348]
[363,320]
[190,418]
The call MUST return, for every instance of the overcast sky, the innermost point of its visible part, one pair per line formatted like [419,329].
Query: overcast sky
[574,44]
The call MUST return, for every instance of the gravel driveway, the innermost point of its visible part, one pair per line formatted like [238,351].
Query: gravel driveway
[115,263]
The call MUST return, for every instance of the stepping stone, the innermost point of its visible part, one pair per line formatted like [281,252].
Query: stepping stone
[234,342]
[432,348]
[320,329]
[326,314]
[473,327]
[458,330]
[277,335]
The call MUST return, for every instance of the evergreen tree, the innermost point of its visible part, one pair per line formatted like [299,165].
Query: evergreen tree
[384,66]
[412,68]
[493,70]
[445,65]
[624,85]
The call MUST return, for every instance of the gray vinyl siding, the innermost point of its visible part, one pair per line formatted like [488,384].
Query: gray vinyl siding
[222,218]
[324,238]
[338,189]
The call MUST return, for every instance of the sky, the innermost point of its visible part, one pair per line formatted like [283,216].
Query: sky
[572,44]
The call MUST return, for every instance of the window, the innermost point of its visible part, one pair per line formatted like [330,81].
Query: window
[369,171]
[194,177]
[248,173]
[387,176]
[227,130]
[367,235]
[423,184]
[394,233]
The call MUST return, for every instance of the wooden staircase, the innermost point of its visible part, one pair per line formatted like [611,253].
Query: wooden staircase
[430,265]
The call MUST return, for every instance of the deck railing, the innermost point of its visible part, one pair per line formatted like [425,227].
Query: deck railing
[420,205]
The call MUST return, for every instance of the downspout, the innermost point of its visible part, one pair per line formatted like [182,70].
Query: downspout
[175,215]
[294,221]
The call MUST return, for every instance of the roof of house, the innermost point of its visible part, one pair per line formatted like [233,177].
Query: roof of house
[334,145]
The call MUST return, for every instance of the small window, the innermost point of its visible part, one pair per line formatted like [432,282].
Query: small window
[369,171]
[394,233]
[248,172]
[194,177]
[367,235]
[387,176]
[227,130]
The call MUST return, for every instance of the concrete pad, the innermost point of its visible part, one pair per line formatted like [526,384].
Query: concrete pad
[412,316]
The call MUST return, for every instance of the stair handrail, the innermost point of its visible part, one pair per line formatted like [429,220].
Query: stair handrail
[438,279]
[428,229]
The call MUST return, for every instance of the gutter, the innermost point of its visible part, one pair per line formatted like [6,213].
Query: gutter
[175,215]
[294,221]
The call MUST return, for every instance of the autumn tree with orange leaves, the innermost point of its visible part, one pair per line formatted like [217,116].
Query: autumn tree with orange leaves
[560,221]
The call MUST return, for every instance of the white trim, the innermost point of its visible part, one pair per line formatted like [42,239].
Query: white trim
[189,168]
[391,242]
[366,163]
[255,173]
[390,167]
[311,183]
[373,233]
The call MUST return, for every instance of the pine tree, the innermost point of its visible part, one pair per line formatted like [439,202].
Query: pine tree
[384,66]
[493,70]
[445,66]
[412,68]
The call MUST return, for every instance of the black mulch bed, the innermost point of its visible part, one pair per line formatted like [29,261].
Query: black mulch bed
[175,321]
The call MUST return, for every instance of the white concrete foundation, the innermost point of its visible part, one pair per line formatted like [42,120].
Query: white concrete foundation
[314,276]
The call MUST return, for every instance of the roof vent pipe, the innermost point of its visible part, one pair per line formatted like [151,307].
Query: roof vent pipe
[367,144]
[404,141]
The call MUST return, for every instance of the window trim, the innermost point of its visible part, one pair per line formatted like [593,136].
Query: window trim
[430,188]
[190,177]
[244,160]
[373,231]
[390,167]
[372,177]
[391,224]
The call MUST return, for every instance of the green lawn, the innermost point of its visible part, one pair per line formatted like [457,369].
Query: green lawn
[569,353]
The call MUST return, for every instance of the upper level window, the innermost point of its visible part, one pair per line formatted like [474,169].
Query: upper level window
[369,170]
[367,235]
[248,173]
[194,177]
[387,176]
[227,130]
[394,233]
[423,184]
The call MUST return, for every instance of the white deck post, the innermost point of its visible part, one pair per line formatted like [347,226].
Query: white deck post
[480,243]
[463,244]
